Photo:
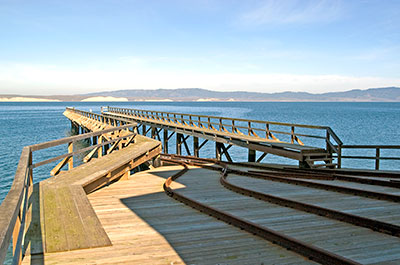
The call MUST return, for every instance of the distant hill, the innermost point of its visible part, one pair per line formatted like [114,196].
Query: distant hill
[196,94]
[385,94]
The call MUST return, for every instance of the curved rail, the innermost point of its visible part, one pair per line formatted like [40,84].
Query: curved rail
[372,224]
[314,253]
[322,186]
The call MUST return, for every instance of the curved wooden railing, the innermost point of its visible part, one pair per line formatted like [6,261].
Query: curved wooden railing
[14,207]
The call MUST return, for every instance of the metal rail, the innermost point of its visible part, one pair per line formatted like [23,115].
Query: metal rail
[297,181]
[373,224]
[314,253]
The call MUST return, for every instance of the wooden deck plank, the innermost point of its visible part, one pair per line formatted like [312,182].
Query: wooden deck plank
[94,233]
[55,235]
[33,232]
[69,217]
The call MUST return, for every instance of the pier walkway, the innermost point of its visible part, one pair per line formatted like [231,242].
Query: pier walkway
[191,210]
[253,135]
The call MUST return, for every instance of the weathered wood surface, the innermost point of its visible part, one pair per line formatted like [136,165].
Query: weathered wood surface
[61,217]
[148,227]
[347,240]
[11,207]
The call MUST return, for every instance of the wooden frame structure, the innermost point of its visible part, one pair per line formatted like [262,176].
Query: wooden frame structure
[14,207]
[254,135]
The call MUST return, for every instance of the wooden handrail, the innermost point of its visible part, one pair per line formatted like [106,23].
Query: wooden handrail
[231,125]
[219,117]
[14,206]
[377,158]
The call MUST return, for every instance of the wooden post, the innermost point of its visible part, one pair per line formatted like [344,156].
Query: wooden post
[143,129]
[292,135]
[100,150]
[328,147]
[179,143]
[71,160]
[218,151]
[16,229]
[377,158]
[165,139]
[196,146]
[339,157]
[153,132]
[252,155]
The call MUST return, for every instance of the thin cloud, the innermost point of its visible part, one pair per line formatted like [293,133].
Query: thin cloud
[42,79]
[293,12]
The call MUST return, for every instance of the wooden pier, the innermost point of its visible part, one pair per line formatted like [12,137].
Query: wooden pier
[192,210]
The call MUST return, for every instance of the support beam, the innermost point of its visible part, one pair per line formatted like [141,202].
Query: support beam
[165,141]
[218,151]
[252,155]
[225,152]
[196,148]
[144,130]
[261,157]
[179,143]
[186,145]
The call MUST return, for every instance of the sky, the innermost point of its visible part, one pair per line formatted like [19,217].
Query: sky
[72,47]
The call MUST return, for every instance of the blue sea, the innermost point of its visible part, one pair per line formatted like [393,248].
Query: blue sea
[24,124]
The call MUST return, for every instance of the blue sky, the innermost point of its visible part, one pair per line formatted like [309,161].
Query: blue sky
[68,47]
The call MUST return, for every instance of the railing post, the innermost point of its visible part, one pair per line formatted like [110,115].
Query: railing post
[339,156]
[292,135]
[377,158]
[328,147]
[16,229]
[100,150]
[71,159]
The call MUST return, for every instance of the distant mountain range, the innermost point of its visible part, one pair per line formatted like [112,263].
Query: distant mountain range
[385,94]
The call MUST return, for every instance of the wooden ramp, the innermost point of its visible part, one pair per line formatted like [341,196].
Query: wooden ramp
[62,216]
[309,156]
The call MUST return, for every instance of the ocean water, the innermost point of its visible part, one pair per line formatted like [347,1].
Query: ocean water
[24,124]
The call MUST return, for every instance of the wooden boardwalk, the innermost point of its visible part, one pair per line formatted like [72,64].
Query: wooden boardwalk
[192,210]
[146,226]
